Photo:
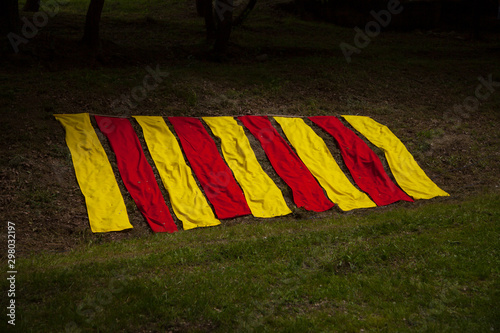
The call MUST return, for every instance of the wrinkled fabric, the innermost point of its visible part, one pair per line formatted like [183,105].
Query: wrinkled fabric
[363,164]
[188,202]
[405,169]
[306,191]
[136,173]
[262,195]
[213,174]
[313,151]
[105,205]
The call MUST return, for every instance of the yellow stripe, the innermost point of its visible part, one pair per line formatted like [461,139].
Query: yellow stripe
[263,196]
[188,202]
[313,151]
[405,169]
[105,206]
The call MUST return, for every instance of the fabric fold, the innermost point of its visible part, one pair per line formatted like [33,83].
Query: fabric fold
[405,169]
[104,201]
[188,202]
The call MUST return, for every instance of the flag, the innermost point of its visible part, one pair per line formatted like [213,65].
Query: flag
[234,183]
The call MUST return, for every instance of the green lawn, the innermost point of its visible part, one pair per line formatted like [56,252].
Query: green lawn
[432,268]
[432,265]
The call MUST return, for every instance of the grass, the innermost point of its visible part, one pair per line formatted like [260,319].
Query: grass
[429,268]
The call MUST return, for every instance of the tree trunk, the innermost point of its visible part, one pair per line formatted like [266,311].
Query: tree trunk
[9,16]
[224,21]
[9,23]
[207,11]
[91,32]
[32,6]
[200,8]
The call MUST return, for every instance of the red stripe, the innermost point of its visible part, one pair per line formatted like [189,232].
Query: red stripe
[136,173]
[214,175]
[363,164]
[306,191]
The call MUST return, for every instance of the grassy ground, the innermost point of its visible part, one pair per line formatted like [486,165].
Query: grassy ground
[430,265]
[433,268]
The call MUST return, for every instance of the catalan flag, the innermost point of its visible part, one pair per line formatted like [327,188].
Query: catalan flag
[211,172]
